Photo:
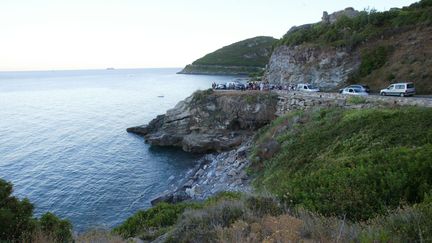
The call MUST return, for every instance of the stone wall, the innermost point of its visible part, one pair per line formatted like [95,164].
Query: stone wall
[289,101]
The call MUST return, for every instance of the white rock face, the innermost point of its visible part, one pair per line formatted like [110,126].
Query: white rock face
[326,68]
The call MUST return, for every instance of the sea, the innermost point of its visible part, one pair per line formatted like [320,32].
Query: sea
[64,145]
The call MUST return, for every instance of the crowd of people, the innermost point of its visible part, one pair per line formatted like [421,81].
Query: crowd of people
[252,85]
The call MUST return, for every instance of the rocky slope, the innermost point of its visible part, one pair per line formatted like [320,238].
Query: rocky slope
[210,121]
[214,173]
[324,67]
[241,58]
[372,48]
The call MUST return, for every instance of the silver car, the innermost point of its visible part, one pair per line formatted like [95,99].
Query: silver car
[354,91]
[399,89]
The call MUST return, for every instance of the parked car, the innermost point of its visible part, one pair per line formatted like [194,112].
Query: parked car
[239,86]
[361,87]
[307,88]
[354,91]
[220,86]
[230,85]
[399,89]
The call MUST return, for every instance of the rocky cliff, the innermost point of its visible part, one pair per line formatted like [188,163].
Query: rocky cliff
[324,67]
[366,47]
[210,121]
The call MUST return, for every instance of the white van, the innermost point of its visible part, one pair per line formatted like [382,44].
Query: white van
[307,88]
[399,89]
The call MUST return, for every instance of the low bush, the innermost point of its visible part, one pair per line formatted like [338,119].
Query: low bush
[200,96]
[154,221]
[356,100]
[372,59]
[201,225]
[57,229]
[409,224]
[261,206]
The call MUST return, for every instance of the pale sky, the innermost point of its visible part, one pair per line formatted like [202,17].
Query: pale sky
[92,34]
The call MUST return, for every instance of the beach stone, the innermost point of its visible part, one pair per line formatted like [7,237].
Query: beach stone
[243,175]
[190,192]
[232,172]
[189,183]
[200,172]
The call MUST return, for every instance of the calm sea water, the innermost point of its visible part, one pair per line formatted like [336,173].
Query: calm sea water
[63,140]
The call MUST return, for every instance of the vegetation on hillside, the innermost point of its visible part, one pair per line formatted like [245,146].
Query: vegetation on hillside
[350,32]
[349,163]
[17,223]
[234,217]
[254,52]
[158,220]
[393,45]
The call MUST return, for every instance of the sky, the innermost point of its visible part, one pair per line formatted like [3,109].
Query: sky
[93,34]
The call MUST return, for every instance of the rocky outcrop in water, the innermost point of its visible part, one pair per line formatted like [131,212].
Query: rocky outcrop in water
[327,68]
[211,121]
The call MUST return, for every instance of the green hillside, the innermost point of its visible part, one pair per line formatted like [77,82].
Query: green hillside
[368,25]
[394,45]
[353,163]
[243,57]
[253,52]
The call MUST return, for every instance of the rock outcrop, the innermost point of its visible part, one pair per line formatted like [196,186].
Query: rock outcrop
[332,18]
[325,67]
[210,121]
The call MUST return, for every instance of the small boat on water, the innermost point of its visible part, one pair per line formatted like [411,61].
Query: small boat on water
[110,68]
[160,96]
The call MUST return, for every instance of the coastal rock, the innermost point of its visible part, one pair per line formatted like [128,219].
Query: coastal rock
[324,67]
[171,197]
[211,121]
[222,173]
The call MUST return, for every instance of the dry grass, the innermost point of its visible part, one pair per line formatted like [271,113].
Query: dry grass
[269,229]
[99,236]
[410,61]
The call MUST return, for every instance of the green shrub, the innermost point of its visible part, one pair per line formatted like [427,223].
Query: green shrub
[17,223]
[373,59]
[201,225]
[16,216]
[156,219]
[261,206]
[409,224]
[223,196]
[357,163]
[200,96]
[356,100]
[57,229]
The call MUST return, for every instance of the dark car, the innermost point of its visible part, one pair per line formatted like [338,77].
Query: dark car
[239,86]
[360,87]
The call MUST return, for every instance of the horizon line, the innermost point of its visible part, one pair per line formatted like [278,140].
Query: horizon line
[85,69]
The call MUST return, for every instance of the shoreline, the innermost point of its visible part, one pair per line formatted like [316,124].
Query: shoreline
[214,173]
